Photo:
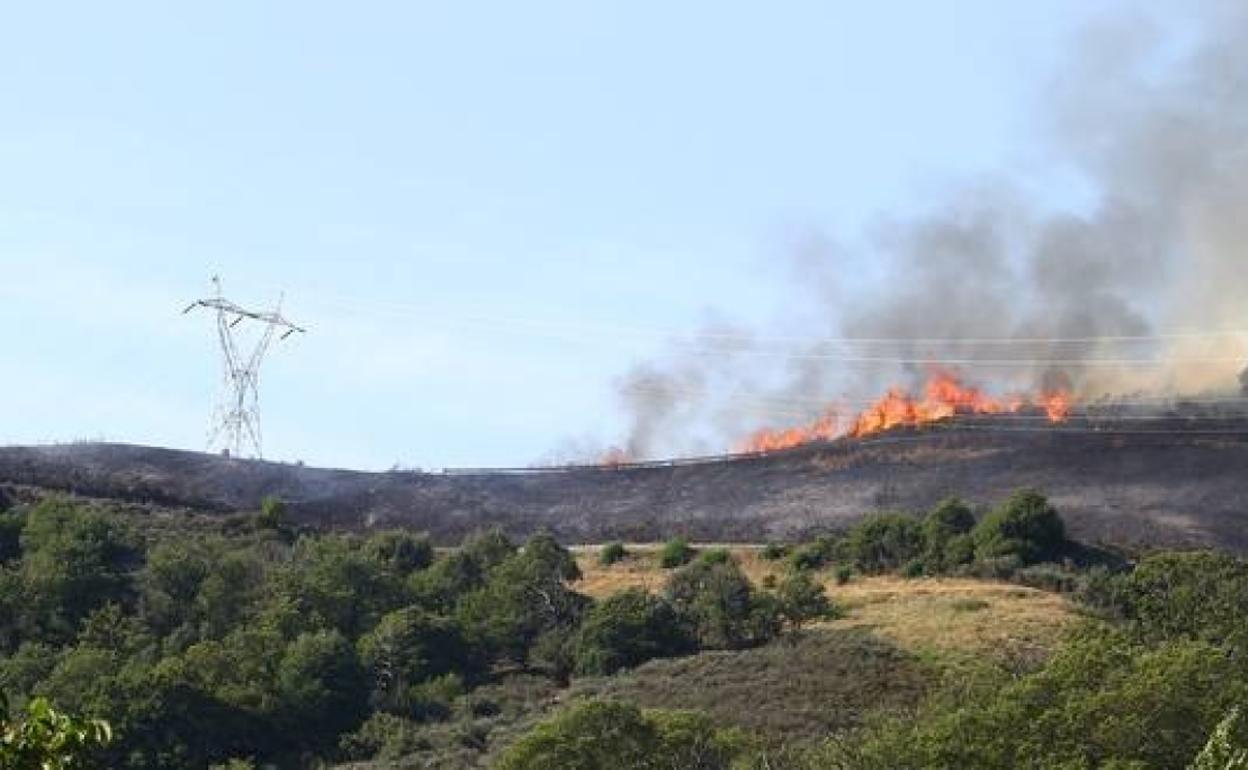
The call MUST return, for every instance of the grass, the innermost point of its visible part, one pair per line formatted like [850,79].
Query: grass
[924,615]
[822,682]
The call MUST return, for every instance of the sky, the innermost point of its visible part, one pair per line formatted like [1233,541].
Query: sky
[483,213]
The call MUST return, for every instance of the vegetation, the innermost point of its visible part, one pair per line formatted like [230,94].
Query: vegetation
[612,553]
[676,553]
[263,645]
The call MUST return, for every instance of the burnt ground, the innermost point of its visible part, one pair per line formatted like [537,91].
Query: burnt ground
[1165,484]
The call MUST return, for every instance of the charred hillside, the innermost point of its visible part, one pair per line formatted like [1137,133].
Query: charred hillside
[1178,481]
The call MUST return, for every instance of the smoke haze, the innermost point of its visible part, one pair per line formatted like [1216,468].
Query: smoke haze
[1157,125]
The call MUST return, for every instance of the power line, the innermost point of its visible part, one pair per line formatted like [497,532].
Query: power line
[236,419]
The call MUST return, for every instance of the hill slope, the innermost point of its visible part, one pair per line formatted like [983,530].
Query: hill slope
[1162,487]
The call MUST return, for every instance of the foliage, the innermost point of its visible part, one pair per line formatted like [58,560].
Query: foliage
[944,530]
[802,600]
[272,513]
[1026,527]
[42,738]
[626,629]
[719,604]
[1227,748]
[403,552]
[601,735]
[884,541]
[612,552]
[773,551]
[676,553]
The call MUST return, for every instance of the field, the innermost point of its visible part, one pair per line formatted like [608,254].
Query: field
[922,616]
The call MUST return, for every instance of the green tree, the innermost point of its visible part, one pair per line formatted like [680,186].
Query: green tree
[401,551]
[884,541]
[803,600]
[73,561]
[676,552]
[1026,527]
[523,598]
[626,629]
[612,553]
[945,524]
[720,605]
[605,735]
[410,646]
[42,738]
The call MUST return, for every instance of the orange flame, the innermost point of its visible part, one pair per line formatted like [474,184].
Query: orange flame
[944,398]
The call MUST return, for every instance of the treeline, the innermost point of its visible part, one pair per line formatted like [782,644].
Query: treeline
[285,648]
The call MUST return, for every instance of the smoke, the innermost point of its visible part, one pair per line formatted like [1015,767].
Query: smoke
[1156,125]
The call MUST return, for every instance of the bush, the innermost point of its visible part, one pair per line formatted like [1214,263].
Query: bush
[612,553]
[676,553]
[272,513]
[950,521]
[814,555]
[884,542]
[715,556]
[626,629]
[844,574]
[606,734]
[802,600]
[720,605]
[402,551]
[774,552]
[1026,527]
[914,568]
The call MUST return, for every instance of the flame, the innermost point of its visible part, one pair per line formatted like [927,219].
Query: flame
[944,398]
[615,457]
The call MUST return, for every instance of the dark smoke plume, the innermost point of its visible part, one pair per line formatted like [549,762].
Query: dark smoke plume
[1158,129]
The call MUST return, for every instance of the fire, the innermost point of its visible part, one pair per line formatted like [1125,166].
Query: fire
[944,397]
[614,457]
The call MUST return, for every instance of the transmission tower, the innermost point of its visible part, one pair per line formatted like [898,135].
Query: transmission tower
[236,419]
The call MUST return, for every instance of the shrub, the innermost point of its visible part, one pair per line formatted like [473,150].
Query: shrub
[774,552]
[606,734]
[715,556]
[884,541]
[844,574]
[721,606]
[676,553]
[951,520]
[1026,526]
[272,513]
[402,551]
[612,553]
[626,629]
[802,600]
[914,568]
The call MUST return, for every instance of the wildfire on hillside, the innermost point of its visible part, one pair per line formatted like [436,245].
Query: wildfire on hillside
[944,397]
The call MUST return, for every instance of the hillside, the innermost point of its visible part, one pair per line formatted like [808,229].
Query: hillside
[1179,483]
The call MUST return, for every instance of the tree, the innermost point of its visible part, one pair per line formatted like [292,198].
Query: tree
[605,735]
[884,541]
[272,513]
[1227,748]
[1026,526]
[720,605]
[626,629]
[321,687]
[401,551]
[947,522]
[676,552]
[612,553]
[42,738]
[410,646]
[523,598]
[802,600]
[73,561]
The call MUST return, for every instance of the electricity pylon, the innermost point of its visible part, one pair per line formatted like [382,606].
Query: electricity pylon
[236,419]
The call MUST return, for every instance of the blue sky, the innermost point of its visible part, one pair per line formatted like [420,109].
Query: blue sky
[459,198]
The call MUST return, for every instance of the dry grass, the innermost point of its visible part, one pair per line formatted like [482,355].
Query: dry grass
[920,615]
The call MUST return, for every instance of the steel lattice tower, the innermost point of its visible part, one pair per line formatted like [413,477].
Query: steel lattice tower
[236,419]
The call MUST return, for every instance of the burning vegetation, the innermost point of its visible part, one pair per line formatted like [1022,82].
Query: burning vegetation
[944,397]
